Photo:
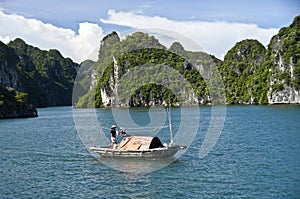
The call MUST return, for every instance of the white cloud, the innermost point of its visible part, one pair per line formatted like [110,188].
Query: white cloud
[213,37]
[77,46]
[4,39]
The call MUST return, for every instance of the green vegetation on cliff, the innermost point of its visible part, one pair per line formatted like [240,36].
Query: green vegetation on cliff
[245,74]
[46,76]
[116,58]
[14,104]
[152,61]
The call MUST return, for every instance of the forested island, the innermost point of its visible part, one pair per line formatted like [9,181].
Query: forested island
[251,73]
[31,77]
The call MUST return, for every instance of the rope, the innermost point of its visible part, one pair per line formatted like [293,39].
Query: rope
[97,139]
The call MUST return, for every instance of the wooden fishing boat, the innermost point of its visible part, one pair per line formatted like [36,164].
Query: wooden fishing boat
[139,147]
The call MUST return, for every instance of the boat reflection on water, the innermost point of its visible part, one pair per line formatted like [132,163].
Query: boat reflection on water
[136,165]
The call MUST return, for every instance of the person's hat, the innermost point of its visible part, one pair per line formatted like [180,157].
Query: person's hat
[113,126]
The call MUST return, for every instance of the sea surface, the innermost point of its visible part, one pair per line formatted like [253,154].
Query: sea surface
[256,156]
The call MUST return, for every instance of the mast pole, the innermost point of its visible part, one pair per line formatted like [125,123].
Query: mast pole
[170,125]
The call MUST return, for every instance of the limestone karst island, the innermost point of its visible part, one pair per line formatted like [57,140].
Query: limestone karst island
[251,73]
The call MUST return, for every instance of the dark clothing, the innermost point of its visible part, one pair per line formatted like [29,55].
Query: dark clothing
[113,133]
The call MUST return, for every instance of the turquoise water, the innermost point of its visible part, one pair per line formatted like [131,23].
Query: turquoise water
[257,156]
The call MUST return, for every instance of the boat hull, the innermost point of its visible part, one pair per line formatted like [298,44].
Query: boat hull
[156,153]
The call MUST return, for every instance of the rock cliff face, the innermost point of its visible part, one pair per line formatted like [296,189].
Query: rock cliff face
[12,104]
[45,76]
[255,75]
[8,70]
[284,51]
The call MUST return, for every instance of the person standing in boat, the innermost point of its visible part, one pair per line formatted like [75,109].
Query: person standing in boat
[113,136]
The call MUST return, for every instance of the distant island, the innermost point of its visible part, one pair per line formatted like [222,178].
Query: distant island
[252,74]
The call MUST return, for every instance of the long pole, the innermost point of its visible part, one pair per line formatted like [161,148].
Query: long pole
[170,125]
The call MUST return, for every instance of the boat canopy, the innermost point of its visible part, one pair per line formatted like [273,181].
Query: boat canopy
[140,143]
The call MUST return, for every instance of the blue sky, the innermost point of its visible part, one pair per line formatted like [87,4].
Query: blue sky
[67,13]
[267,15]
